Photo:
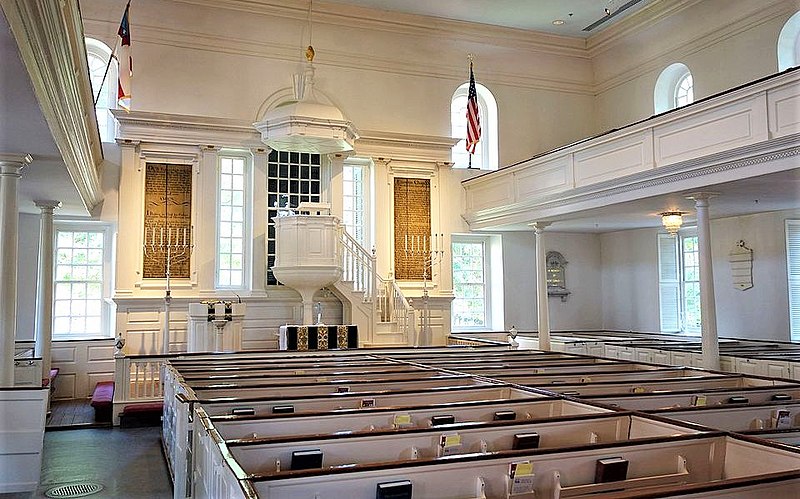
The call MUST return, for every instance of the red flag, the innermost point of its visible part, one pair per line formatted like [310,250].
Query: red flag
[473,115]
[125,62]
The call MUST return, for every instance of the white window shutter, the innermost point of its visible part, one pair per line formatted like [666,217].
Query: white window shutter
[793,273]
[669,283]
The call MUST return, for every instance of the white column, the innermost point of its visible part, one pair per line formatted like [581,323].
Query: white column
[542,310]
[205,229]
[708,308]
[44,285]
[10,172]
[259,259]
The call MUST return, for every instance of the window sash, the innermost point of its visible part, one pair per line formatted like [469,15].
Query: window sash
[81,270]
[471,307]
[793,276]
[233,226]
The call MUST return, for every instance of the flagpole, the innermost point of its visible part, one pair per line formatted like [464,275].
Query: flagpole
[105,75]
[111,58]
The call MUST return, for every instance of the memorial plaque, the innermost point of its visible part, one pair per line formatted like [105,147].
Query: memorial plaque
[167,220]
[412,227]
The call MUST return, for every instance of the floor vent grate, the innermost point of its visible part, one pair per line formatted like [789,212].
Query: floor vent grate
[74,490]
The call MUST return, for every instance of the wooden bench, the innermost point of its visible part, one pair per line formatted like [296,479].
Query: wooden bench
[138,415]
[103,401]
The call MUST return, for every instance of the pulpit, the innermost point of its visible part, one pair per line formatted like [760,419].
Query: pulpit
[306,258]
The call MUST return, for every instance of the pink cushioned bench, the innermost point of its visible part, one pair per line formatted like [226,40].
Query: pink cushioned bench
[103,401]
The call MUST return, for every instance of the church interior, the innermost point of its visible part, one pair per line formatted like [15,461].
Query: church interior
[492,249]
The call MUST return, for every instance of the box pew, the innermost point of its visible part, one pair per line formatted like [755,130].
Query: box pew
[492,370]
[327,402]
[674,466]
[590,376]
[266,389]
[267,456]
[691,398]
[739,417]
[591,388]
[220,372]
[315,378]
[178,410]
[236,427]
[790,436]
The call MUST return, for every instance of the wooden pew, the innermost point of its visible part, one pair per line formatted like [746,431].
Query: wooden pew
[401,416]
[690,398]
[273,455]
[673,466]
[592,388]
[740,417]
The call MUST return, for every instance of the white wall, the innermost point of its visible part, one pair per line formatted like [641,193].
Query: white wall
[630,278]
[582,309]
[27,270]
[724,43]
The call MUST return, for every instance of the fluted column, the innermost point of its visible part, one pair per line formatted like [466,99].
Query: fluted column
[708,307]
[44,285]
[542,310]
[10,172]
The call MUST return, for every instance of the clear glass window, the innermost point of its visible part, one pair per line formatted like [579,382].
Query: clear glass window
[232,222]
[470,306]
[79,273]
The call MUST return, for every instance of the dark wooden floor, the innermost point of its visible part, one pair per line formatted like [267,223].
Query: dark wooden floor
[128,463]
[68,414]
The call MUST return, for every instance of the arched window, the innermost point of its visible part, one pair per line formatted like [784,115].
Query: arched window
[97,55]
[485,157]
[789,43]
[674,88]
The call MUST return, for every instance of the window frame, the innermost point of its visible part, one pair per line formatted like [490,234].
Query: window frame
[365,165]
[689,94]
[107,309]
[676,283]
[487,281]
[247,202]
[488,144]
[792,230]
[97,49]
[665,90]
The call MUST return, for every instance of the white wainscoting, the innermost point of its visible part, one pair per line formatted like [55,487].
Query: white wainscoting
[139,320]
[82,364]
[22,415]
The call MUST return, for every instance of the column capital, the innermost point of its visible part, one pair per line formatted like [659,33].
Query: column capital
[701,198]
[539,227]
[12,163]
[127,142]
[265,150]
[47,205]
[382,160]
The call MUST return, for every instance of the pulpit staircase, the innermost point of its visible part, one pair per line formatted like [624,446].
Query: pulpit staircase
[383,315]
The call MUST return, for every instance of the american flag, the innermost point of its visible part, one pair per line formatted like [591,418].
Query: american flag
[125,62]
[473,115]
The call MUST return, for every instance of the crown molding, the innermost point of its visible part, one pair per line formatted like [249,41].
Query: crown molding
[49,35]
[166,128]
[686,48]
[405,147]
[365,61]
[344,15]
[639,21]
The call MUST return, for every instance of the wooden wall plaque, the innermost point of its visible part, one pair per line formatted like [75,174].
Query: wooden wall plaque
[167,218]
[412,226]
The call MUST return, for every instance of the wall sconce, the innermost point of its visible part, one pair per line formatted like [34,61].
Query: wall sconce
[672,221]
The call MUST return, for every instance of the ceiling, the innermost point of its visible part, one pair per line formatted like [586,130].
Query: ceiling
[537,15]
[23,129]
